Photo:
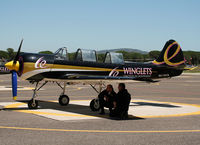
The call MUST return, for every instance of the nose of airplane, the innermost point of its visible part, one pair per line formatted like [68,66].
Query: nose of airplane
[12,66]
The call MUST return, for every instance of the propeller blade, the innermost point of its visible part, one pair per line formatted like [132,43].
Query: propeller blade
[14,84]
[19,49]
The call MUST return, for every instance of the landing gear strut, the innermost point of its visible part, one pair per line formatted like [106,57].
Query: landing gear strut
[63,99]
[33,103]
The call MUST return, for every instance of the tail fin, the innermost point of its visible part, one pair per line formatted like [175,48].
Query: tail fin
[171,55]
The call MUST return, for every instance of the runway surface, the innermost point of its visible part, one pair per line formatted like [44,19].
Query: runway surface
[161,113]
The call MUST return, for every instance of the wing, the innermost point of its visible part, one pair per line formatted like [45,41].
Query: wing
[76,78]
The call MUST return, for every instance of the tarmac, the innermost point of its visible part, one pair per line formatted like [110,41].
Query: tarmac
[162,113]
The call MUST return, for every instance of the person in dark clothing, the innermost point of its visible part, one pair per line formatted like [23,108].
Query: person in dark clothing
[106,98]
[122,102]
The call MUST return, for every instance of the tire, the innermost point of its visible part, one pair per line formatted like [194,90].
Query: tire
[32,105]
[94,105]
[64,100]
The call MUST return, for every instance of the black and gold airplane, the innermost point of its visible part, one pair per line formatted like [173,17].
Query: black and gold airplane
[86,69]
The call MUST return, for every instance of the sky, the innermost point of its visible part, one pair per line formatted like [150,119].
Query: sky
[99,24]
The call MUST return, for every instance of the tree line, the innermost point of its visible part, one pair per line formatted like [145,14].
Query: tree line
[192,57]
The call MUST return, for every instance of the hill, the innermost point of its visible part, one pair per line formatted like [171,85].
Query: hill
[123,49]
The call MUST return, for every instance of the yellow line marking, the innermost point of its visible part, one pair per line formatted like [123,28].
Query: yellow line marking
[47,113]
[26,88]
[79,115]
[100,131]
[173,115]
[14,105]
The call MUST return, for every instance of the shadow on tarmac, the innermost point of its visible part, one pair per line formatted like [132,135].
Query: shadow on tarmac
[154,104]
[72,108]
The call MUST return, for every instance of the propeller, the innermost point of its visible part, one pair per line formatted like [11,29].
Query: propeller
[18,52]
[14,66]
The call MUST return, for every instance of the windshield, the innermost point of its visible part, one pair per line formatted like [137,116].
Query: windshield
[61,54]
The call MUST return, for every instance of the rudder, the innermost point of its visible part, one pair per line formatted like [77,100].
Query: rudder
[171,54]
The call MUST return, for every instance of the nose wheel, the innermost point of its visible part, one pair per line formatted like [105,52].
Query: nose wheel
[33,104]
[63,100]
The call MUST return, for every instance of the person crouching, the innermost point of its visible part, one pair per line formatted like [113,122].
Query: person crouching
[106,98]
[122,102]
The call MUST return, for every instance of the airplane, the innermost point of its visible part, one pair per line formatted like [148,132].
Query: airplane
[3,69]
[86,69]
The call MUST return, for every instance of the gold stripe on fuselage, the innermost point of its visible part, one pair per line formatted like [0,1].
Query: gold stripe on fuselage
[58,66]
[29,66]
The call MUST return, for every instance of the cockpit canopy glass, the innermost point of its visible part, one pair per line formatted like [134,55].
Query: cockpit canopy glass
[61,54]
[86,55]
[89,56]
[112,57]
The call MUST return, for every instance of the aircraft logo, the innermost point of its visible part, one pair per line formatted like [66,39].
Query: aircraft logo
[40,63]
[114,72]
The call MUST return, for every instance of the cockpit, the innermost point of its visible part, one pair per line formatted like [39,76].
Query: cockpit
[61,54]
[112,57]
[85,55]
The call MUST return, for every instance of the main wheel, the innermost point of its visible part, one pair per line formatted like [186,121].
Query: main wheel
[63,100]
[94,105]
[33,104]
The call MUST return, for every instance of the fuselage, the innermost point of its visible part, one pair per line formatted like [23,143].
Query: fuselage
[41,66]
